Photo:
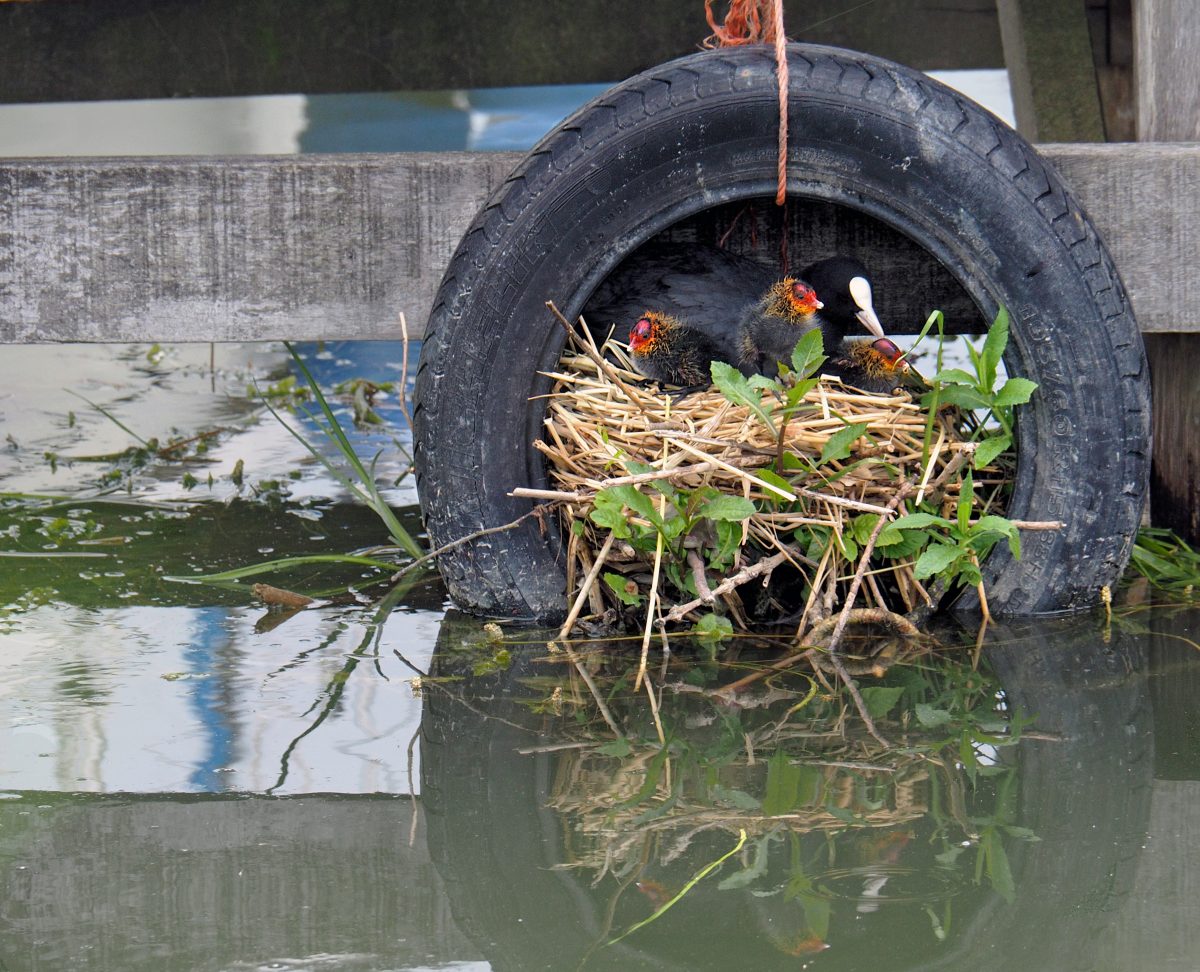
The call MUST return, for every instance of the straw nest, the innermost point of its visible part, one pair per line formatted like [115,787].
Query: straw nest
[603,419]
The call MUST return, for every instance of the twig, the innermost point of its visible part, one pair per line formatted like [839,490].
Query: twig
[864,557]
[697,564]
[556,495]
[852,687]
[403,396]
[652,600]
[835,639]
[278,597]
[421,561]
[570,623]
[763,566]
[603,365]
[586,586]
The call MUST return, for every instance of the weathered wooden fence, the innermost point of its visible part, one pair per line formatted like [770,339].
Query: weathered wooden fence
[264,248]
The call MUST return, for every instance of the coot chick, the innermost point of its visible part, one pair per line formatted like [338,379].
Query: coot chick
[668,350]
[872,366]
[769,329]
[708,287]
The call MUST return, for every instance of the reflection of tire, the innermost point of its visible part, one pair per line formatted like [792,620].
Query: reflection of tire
[1084,788]
[864,134]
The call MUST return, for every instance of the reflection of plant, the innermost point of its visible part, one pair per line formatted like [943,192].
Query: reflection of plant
[809,794]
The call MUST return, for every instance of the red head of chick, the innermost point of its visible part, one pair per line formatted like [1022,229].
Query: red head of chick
[873,366]
[666,349]
[770,329]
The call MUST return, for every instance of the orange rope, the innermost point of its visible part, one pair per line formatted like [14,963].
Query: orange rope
[755,22]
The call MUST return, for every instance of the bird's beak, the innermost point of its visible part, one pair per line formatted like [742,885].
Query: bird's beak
[866,317]
[860,290]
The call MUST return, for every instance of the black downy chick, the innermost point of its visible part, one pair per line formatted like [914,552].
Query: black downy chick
[873,366]
[768,330]
[668,350]
[705,286]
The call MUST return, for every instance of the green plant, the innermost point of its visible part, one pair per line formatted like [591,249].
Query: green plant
[978,391]
[1165,560]
[360,480]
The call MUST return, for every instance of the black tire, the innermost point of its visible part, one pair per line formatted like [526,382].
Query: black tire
[865,134]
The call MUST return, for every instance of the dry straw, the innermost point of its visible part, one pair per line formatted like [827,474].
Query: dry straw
[602,419]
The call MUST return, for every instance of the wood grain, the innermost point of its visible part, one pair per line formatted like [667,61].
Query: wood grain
[335,247]
[1166,64]
[1049,57]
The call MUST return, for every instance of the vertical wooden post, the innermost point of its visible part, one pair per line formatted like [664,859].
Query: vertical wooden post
[1048,52]
[1166,38]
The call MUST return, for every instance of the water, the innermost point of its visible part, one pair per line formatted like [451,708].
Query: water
[188,781]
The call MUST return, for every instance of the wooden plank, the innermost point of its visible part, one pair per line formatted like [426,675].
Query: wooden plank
[1145,200]
[335,246]
[1048,51]
[1166,64]
[163,249]
[70,50]
[1166,56]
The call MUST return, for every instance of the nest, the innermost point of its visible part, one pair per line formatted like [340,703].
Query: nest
[606,426]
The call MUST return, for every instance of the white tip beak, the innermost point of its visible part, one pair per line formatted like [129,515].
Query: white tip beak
[860,291]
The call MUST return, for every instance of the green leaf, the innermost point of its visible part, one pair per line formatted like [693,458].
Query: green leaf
[993,348]
[618,584]
[838,445]
[809,353]
[955,376]
[931,717]
[962,396]
[713,628]
[609,503]
[996,861]
[757,868]
[919,521]
[739,799]
[737,389]
[770,476]
[783,785]
[728,508]
[861,526]
[881,699]
[999,524]
[936,558]
[989,449]
[966,500]
[1016,391]
[609,512]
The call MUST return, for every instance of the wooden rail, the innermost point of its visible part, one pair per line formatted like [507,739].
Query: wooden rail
[335,246]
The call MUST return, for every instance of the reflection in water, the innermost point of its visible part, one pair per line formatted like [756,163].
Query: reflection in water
[882,860]
[540,838]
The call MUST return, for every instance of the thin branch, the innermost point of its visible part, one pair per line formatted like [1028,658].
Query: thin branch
[421,561]
[763,566]
[603,365]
